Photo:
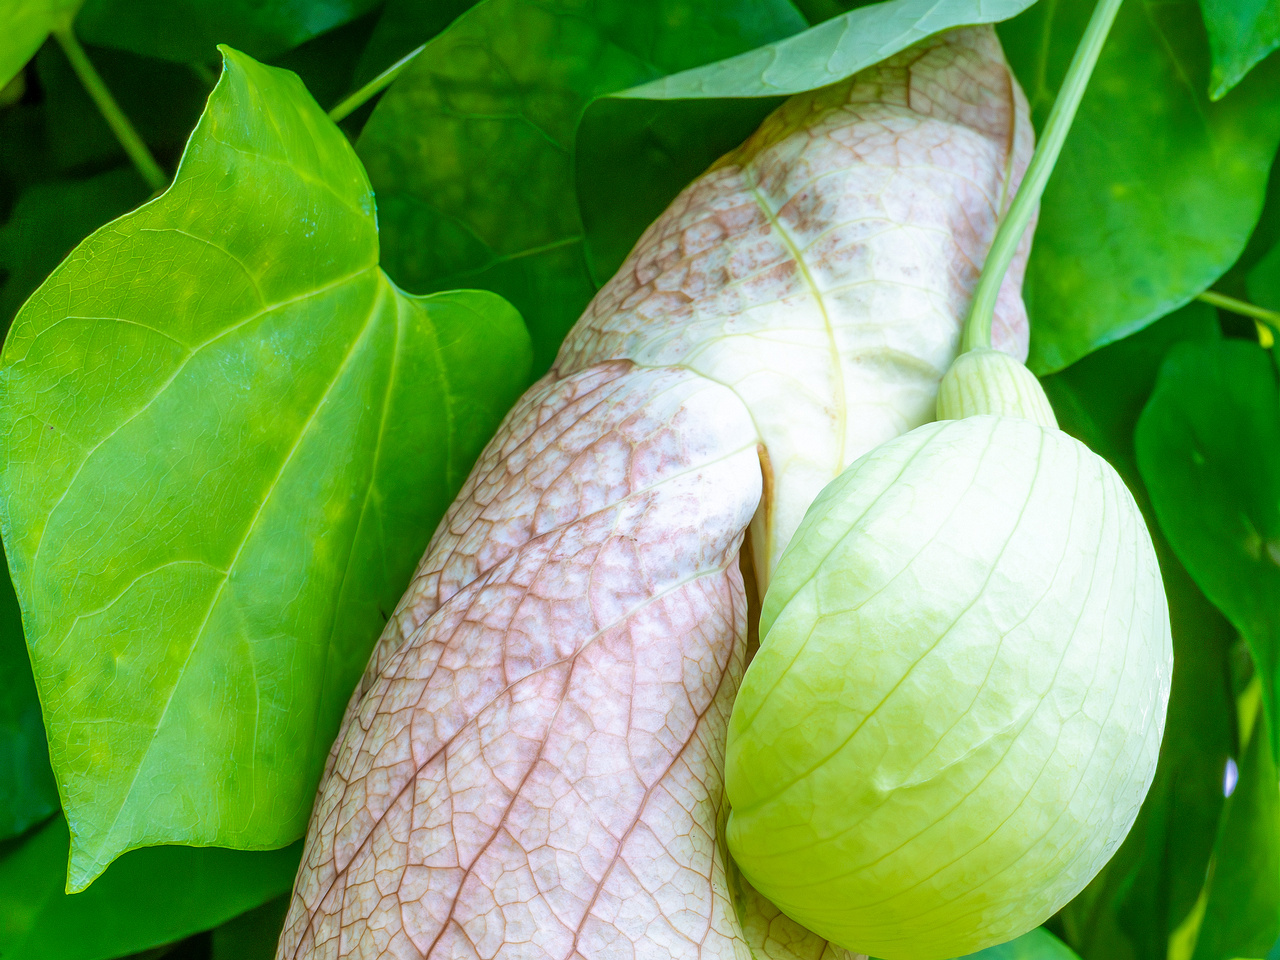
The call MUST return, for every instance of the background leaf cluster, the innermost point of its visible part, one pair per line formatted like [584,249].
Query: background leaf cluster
[235,363]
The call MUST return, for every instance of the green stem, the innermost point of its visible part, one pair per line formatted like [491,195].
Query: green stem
[133,144]
[1270,317]
[977,331]
[374,87]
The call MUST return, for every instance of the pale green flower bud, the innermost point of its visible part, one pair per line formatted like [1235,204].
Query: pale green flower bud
[957,706]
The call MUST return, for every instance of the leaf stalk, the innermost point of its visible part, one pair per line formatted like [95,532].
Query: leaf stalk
[977,328]
[355,101]
[96,87]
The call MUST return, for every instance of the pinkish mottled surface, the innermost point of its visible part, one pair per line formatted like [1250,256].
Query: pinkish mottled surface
[532,767]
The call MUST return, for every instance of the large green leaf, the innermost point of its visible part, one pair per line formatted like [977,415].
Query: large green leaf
[472,151]
[27,791]
[1242,911]
[148,897]
[827,53]
[230,437]
[24,25]
[1153,881]
[190,30]
[1157,188]
[1209,450]
[1241,32]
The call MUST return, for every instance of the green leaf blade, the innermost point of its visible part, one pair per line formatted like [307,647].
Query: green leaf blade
[26,25]
[1242,908]
[232,436]
[1241,33]
[1209,449]
[827,53]
[1155,193]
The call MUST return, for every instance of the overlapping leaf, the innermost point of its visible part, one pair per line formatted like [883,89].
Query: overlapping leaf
[24,25]
[1157,188]
[230,437]
[190,30]
[1241,32]
[1209,450]
[639,147]
[827,53]
[1242,906]
[148,897]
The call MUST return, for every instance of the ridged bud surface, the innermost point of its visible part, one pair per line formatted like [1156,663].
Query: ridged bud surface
[983,382]
[957,707]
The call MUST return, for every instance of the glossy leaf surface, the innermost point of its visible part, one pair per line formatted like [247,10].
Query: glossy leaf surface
[1242,912]
[472,150]
[1241,32]
[1154,195]
[148,897]
[231,437]
[24,25]
[190,30]
[1209,449]
[1152,882]
[827,53]
[28,793]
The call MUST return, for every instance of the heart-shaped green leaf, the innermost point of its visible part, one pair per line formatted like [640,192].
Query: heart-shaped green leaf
[1157,188]
[1241,32]
[827,53]
[230,437]
[1209,450]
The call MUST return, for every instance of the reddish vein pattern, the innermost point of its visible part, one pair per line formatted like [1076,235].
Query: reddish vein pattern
[532,766]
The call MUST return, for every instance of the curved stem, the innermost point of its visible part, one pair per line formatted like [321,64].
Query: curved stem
[93,83]
[355,101]
[1270,317]
[977,330]
[1267,321]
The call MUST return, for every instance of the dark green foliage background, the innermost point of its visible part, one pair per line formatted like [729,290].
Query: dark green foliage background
[503,159]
